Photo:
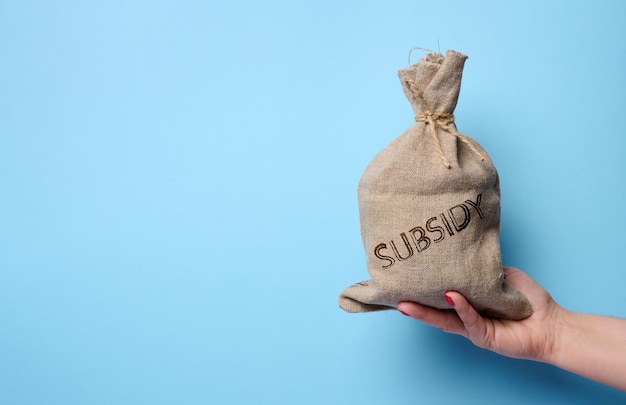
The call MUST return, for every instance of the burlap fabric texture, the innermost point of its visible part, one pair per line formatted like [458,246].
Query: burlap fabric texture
[429,207]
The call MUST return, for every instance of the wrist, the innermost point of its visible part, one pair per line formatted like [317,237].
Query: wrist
[560,328]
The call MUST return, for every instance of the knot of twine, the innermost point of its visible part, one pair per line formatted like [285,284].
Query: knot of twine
[439,120]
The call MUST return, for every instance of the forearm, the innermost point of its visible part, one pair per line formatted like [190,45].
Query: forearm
[593,346]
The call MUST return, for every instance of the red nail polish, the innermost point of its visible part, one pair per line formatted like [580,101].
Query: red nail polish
[449,299]
[404,313]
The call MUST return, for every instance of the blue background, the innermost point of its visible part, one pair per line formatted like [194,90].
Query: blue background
[178,206]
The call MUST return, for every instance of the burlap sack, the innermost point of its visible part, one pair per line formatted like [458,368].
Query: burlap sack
[429,206]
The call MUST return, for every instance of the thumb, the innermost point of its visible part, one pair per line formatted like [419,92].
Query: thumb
[475,325]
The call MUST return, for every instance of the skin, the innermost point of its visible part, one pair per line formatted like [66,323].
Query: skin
[592,346]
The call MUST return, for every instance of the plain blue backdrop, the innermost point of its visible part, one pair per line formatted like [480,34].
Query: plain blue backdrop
[178,206]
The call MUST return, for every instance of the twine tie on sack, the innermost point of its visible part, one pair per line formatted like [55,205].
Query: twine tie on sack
[438,120]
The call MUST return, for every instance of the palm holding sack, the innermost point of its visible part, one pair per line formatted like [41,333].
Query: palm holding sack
[429,207]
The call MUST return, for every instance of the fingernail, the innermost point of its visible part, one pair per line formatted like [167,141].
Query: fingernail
[449,299]
[403,313]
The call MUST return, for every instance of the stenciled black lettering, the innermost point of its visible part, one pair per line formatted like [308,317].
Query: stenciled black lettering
[456,218]
[435,229]
[459,226]
[446,224]
[408,247]
[476,205]
[377,253]
[423,242]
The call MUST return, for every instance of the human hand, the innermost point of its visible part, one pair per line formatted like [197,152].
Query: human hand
[530,338]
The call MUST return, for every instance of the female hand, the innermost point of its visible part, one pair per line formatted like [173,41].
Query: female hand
[593,346]
[531,338]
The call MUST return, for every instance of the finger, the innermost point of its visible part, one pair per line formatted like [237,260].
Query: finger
[526,285]
[511,274]
[448,321]
[473,323]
